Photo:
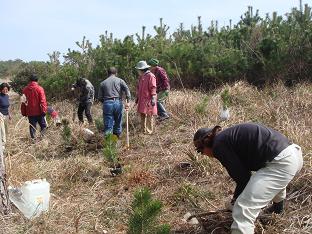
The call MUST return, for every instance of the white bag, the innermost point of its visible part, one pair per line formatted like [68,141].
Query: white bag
[225,114]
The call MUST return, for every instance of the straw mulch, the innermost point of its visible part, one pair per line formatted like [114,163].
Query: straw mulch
[85,198]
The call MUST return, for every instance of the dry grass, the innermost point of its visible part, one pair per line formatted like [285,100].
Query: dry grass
[86,199]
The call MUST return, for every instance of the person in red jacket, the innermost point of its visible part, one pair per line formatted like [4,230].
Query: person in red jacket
[34,106]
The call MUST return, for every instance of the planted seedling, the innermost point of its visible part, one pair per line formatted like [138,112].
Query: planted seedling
[110,153]
[67,135]
[144,213]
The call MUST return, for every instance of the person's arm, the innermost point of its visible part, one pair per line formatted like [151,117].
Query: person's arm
[84,94]
[230,160]
[23,105]
[91,93]
[165,80]
[101,94]
[152,89]
[43,101]
[125,89]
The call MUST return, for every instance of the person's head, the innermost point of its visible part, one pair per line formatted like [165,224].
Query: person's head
[4,88]
[80,82]
[153,62]
[204,138]
[142,67]
[112,71]
[33,77]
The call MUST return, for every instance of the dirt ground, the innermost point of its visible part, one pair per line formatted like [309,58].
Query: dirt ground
[85,198]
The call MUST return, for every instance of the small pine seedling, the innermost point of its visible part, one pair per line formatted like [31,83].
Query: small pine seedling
[200,108]
[110,148]
[99,125]
[226,98]
[145,211]
[66,134]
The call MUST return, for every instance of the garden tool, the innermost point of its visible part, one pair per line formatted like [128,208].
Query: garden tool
[127,127]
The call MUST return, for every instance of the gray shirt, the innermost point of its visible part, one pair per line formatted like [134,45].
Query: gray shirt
[113,87]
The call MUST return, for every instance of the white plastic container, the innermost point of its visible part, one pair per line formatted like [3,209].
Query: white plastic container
[224,114]
[32,198]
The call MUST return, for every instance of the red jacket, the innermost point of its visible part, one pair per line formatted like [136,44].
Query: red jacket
[36,103]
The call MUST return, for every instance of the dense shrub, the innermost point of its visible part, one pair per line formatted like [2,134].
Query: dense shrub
[259,50]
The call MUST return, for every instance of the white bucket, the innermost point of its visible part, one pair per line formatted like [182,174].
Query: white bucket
[32,198]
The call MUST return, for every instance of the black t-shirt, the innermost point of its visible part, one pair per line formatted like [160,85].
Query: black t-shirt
[247,147]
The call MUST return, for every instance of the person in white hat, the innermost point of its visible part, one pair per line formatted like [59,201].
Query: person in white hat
[146,97]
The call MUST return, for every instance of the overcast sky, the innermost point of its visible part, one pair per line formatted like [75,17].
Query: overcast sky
[32,28]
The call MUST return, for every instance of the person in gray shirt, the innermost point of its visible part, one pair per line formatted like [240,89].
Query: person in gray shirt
[86,98]
[110,94]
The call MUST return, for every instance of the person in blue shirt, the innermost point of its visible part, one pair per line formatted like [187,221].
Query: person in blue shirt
[4,110]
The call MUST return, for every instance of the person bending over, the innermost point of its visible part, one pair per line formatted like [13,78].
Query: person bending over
[249,147]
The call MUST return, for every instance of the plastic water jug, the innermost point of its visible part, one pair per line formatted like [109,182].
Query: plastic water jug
[32,198]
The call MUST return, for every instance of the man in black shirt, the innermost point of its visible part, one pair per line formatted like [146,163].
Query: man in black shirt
[249,147]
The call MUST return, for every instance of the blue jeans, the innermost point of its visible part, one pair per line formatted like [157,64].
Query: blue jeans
[161,97]
[112,116]
[33,120]
[161,111]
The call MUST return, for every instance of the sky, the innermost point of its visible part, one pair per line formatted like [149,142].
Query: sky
[30,29]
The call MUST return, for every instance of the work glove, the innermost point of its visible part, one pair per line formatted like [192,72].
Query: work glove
[229,204]
[153,101]
[127,105]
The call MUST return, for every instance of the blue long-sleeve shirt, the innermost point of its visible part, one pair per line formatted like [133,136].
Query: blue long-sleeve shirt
[4,104]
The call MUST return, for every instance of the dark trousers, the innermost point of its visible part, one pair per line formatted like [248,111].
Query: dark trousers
[85,107]
[33,120]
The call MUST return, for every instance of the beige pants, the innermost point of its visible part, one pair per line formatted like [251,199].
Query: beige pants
[147,123]
[267,184]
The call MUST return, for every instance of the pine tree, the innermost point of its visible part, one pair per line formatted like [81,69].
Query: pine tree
[110,149]
[66,134]
[145,210]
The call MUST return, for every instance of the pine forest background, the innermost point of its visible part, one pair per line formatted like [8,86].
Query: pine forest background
[256,49]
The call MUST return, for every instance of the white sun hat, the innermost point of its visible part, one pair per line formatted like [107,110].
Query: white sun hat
[142,65]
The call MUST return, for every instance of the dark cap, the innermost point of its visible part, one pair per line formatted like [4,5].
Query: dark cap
[201,133]
[33,77]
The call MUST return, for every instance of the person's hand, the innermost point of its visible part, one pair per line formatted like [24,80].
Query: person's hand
[153,101]
[10,117]
[229,204]
[136,101]
[127,106]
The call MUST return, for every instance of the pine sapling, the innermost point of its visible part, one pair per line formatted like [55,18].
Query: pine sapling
[145,211]
[201,107]
[99,125]
[226,99]
[110,153]
[66,134]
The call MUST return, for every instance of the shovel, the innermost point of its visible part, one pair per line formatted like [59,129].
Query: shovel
[127,127]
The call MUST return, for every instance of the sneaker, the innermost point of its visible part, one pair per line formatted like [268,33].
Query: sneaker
[276,208]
